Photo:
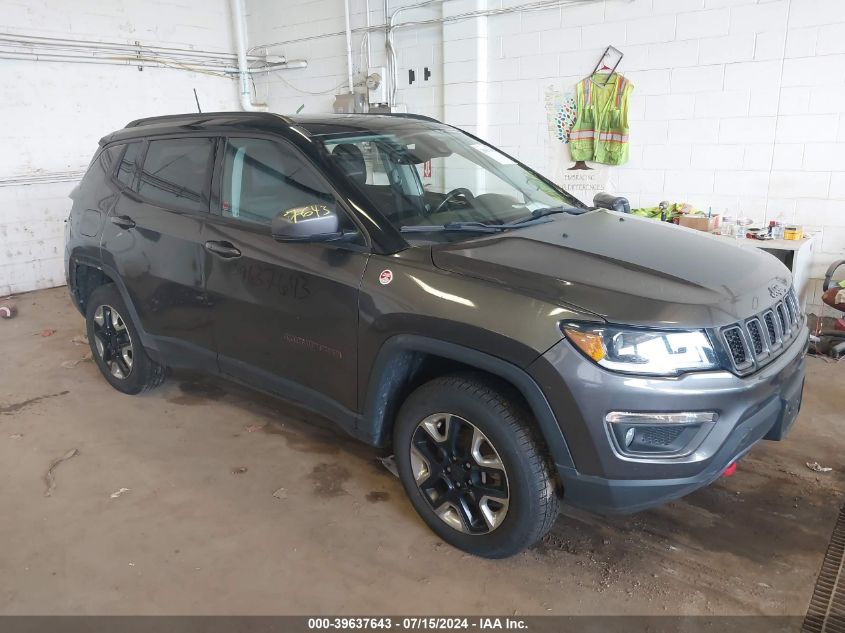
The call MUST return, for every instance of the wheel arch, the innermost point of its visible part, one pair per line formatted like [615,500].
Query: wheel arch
[86,275]
[405,361]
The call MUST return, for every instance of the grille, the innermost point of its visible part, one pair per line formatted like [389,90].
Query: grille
[770,328]
[659,436]
[736,346]
[756,337]
[826,613]
[761,338]
[784,324]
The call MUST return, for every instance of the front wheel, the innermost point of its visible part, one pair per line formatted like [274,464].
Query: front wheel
[471,466]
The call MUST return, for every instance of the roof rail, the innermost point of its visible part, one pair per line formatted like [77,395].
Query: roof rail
[408,115]
[199,116]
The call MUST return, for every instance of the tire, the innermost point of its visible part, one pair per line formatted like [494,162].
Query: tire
[116,344]
[472,417]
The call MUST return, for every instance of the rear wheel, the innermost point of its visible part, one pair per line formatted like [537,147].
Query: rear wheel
[116,345]
[472,468]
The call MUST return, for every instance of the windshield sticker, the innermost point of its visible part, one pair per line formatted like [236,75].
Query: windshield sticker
[492,153]
[385,277]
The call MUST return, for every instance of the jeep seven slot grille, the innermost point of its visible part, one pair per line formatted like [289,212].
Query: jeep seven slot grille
[757,345]
[763,337]
[770,328]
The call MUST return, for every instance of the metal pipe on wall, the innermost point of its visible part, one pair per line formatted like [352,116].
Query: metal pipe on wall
[390,25]
[348,46]
[34,41]
[239,26]
[367,35]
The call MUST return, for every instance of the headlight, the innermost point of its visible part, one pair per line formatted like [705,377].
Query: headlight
[639,351]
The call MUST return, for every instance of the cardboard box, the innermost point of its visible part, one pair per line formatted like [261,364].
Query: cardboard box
[701,222]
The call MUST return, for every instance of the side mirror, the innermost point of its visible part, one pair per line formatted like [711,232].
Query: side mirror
[614,203]
[309,223]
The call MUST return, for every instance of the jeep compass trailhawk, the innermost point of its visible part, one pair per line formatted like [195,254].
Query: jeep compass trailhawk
[433,295]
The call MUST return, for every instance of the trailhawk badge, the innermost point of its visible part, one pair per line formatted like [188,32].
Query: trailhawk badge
[385,277]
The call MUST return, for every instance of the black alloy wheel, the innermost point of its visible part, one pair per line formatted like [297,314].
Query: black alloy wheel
[473,465]
[460,473]
[116,343]
[113,341]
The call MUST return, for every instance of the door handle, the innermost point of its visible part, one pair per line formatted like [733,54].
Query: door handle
[223,249]
[123,221]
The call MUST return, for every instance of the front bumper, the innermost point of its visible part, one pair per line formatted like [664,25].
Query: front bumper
[760,406]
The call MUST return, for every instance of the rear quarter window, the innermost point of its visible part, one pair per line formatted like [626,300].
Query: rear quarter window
[126,171]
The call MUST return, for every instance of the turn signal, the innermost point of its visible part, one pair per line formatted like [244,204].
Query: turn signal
[588,342]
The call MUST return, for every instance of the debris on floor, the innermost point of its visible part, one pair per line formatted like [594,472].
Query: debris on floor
[816,467]
[389,462]
[239,470]
[7,311]
[50,478]
[119,492]
[45,333]
[281,493]
[252,428]
[70,364]
[80,339]
[16,436]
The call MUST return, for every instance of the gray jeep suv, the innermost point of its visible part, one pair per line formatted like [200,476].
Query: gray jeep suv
[435,297]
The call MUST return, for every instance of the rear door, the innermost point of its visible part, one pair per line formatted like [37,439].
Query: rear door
[154,240]
[286,314]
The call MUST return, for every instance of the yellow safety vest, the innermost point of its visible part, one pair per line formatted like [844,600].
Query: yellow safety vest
[600,133]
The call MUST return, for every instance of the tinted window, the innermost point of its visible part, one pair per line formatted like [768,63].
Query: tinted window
[107,158]
[262,178]
[175,173]
[126,171]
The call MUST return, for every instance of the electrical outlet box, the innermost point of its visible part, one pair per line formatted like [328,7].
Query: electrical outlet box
[376,85]
[348,103]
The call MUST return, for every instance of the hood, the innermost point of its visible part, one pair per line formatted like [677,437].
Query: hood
[626,269]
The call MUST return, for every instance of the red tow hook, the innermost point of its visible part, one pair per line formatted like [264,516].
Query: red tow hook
[730,470]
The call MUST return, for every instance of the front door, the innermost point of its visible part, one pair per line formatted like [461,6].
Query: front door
[286,314]
[153,238]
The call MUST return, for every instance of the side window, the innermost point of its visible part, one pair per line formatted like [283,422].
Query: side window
[126,171]
[175,173]
[262,178]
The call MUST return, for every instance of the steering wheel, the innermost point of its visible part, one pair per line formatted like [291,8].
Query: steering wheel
[459,191]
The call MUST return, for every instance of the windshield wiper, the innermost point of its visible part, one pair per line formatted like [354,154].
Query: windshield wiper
[474,227]
[482,227]
[536,214]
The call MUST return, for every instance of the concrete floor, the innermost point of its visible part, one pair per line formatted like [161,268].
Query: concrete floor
[193,535]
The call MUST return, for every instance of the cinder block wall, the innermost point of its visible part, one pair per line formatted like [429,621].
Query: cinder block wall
[53,113]
[739,105]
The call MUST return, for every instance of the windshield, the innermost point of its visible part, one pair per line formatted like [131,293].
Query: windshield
[423,177]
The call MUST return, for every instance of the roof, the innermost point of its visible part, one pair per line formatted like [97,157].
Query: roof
[313,124]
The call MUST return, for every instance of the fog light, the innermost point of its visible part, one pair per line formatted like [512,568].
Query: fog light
[689,417]
[657,434]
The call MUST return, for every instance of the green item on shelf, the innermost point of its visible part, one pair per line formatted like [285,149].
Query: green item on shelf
[667,211]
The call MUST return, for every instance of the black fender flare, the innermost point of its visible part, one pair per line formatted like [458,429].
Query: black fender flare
[85,260]
[395,359]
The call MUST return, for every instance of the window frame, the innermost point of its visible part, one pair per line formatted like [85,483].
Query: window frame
[263,229]
[124,147]
[209,173]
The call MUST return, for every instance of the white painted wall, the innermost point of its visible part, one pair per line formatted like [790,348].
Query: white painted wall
[738,104]
[52,114]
